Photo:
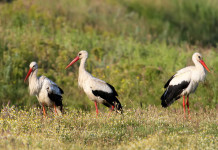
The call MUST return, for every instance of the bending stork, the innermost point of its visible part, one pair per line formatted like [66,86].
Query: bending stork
[184,82]
[46,91]
[97,90]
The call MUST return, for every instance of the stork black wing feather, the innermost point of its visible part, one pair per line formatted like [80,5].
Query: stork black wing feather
[172,93]
[104,95]
[168,82]
[109,97]
[55,98]
[113,89]
[62,92]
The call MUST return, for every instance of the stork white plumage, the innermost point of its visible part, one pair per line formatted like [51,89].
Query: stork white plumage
[97,90]
[47,92]
[184,82]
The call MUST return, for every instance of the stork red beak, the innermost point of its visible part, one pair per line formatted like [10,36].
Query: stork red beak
[205,66]
[28,74]
[72,62]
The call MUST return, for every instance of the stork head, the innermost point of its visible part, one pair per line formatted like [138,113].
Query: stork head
[33,67]
[81,55]
[198,57]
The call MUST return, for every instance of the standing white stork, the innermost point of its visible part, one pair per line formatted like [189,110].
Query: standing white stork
[46,91]
[184,82]
[97,90]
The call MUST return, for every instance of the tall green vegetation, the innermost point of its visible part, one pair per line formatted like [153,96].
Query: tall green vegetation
[195,22]
[134,45]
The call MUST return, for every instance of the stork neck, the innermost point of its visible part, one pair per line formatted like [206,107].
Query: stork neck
[33,75]
[33,83]
[83,74]
[198,65]
[82,65]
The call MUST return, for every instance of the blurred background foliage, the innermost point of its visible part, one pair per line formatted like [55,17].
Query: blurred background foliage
[135,45]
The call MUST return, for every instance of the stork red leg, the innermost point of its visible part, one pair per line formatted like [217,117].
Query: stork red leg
[184,106]
[55,109]
[112,108]
[44,113]
[96,107]
[187,103]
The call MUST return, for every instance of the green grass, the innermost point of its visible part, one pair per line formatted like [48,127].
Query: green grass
[151,128]
[125,44]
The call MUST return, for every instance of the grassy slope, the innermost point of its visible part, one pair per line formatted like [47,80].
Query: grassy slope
[151,128]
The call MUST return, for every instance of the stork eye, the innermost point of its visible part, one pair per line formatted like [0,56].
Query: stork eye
[199,57]
[80,54]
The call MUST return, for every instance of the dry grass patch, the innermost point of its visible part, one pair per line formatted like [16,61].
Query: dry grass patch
[152,128]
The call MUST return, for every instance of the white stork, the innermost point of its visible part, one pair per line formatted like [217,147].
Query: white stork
[46,91]
[184,82]
[97,90]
